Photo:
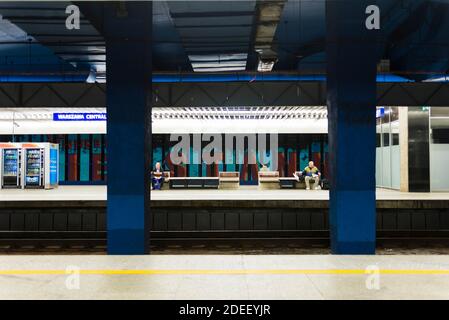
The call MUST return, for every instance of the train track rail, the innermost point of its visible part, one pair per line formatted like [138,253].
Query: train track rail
[266,241]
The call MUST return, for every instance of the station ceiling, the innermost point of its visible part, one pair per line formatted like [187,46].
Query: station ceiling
[219,37]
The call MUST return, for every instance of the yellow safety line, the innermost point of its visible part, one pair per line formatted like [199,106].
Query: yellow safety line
[229,272]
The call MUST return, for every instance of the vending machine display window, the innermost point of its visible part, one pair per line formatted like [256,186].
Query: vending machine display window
[11,168]
[34,165]
[40,165]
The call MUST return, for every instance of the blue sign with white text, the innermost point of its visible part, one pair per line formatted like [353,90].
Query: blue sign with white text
[380,112]
[98,116]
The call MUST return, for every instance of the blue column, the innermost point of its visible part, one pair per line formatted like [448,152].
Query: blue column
[351,52]
[128,28]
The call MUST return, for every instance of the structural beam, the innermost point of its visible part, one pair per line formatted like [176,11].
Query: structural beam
[128,32]
[200,94]
[351,100]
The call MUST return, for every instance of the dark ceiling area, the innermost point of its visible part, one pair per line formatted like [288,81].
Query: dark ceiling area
[210,37]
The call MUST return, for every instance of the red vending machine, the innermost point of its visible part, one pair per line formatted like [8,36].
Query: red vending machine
[11,165]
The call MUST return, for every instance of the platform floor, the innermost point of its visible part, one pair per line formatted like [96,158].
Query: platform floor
[98,193]
[224,277]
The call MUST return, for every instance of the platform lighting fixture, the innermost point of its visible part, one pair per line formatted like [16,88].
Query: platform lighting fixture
[267,59]
[212,113]
[265,66]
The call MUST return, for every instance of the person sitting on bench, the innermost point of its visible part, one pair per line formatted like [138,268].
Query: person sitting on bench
[157,177]
[310,173]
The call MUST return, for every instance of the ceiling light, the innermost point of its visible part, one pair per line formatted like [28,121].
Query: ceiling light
[267,59]
[265,66]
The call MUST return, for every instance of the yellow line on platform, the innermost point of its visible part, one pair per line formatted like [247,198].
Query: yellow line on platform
[228,272]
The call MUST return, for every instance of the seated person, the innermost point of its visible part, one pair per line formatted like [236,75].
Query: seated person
[157,177]
[310,173]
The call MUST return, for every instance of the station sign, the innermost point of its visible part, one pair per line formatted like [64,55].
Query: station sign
[75,116]
[380,112]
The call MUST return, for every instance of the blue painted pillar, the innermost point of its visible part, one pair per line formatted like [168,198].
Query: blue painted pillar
[128,28]
[351,100]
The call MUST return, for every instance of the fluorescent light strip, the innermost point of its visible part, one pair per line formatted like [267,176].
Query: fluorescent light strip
[218,57]
[255,113]
[217,64]
[219,69]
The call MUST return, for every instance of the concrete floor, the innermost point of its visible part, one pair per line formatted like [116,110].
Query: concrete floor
[224,277]
[67,193]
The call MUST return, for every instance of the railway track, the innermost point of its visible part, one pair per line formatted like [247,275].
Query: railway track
[180,242]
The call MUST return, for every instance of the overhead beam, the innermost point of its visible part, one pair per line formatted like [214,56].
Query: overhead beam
[268,15]
[267,18]
[184,94]
[214,14]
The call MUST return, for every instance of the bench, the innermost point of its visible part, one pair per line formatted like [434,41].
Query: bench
[211,183]
[292,183]
[269,179]
[287,183]
[229,179]
[194,183]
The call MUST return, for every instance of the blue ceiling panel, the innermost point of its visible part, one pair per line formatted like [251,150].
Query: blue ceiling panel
[217,36]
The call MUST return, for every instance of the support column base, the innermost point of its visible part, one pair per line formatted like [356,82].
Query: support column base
[127,233]
[126,242]
[353,221]
[353,247]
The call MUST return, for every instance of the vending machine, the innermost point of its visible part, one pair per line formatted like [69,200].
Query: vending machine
[40,163]
[11,165]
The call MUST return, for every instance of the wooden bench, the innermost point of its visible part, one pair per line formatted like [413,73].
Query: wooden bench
[269,179]
[229,179]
